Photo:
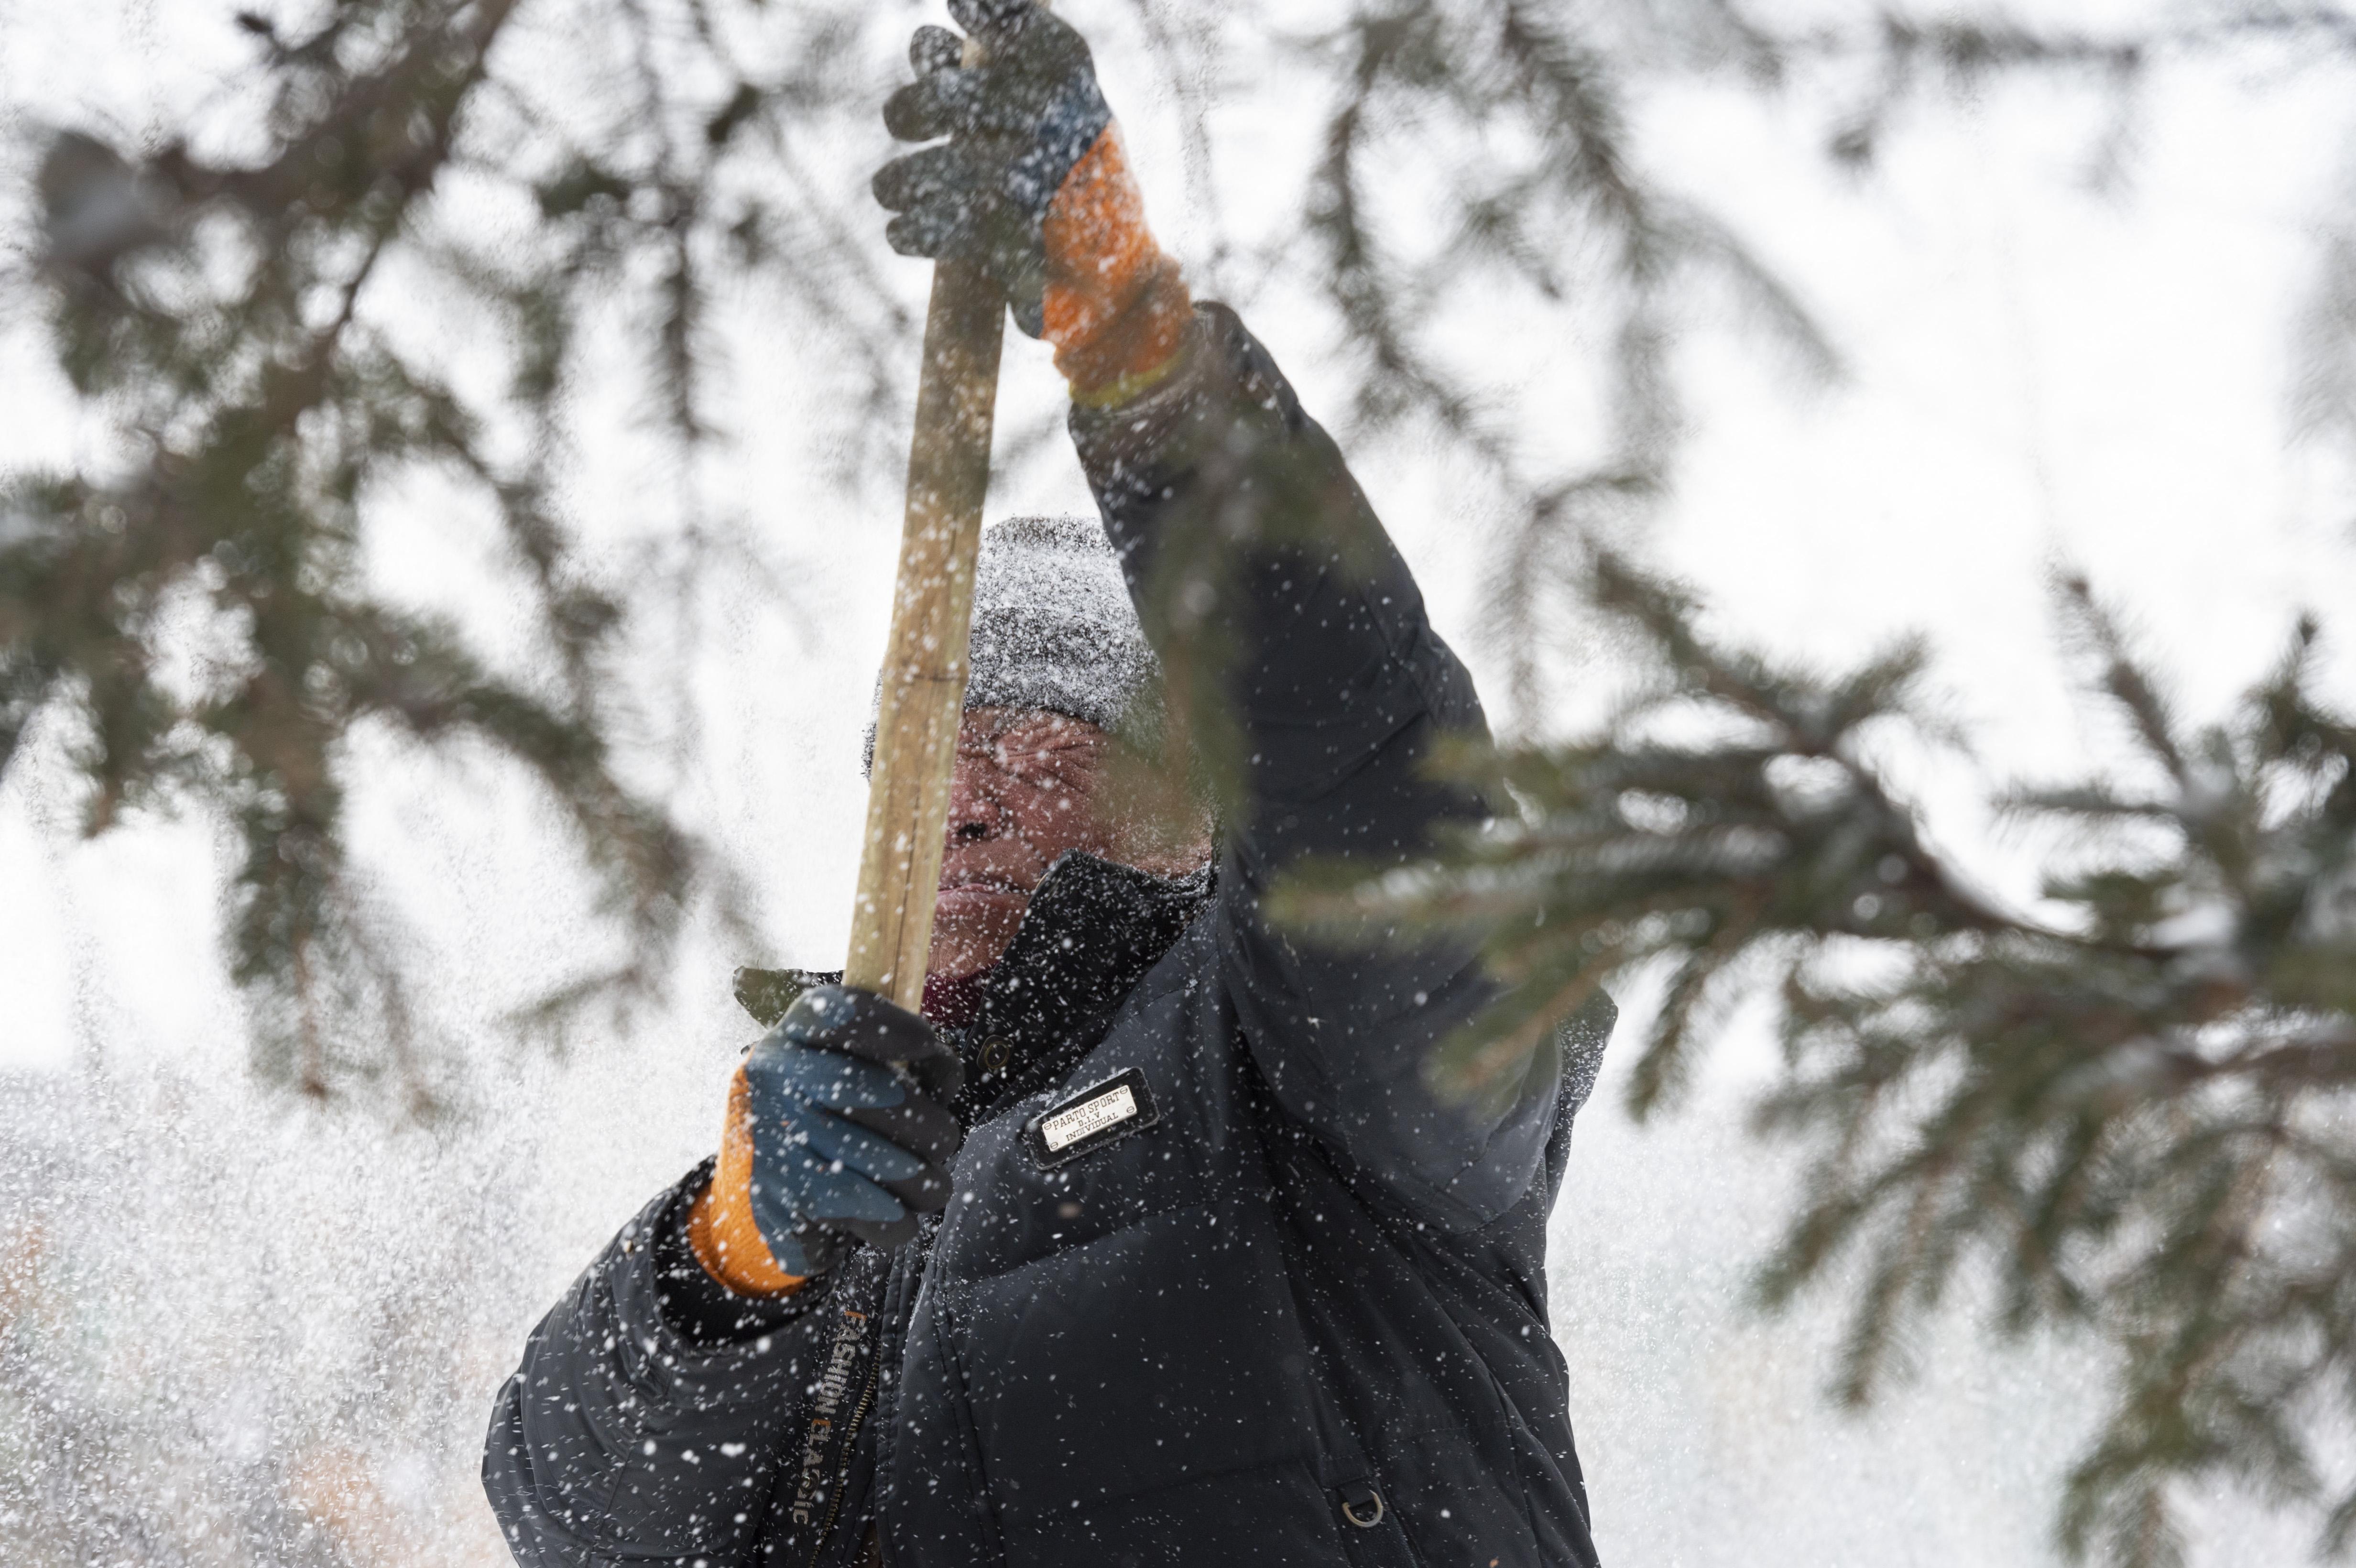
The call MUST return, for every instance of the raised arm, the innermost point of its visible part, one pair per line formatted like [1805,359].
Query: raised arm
[1341,685]
[1194,442]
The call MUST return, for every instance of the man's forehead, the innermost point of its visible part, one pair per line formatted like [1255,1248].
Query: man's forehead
[995,723]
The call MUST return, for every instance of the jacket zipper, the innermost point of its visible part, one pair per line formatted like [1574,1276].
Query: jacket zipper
[890,1317]
[849,1455]
[883,1317]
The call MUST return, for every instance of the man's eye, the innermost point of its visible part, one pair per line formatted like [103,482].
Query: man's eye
[1049,744]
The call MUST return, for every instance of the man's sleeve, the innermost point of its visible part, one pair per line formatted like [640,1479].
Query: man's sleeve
[643,1427]
[1341,685]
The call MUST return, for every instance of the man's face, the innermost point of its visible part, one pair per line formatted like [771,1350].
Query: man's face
[1026,790]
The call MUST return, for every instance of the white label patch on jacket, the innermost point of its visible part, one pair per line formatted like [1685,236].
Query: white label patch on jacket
[1079,1124]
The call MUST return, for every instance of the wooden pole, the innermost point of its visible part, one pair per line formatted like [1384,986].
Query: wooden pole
[924,662]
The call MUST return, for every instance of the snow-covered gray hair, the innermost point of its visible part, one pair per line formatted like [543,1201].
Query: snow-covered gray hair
[1053,629]
[1052,625]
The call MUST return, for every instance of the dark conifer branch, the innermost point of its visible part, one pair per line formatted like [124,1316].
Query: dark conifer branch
[2133,1116]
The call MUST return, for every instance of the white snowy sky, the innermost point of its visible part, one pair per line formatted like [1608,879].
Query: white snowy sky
[2039,373]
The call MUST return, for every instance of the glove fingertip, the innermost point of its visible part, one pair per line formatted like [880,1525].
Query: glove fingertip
[934,49]
[991,15]
[906,115]
[907,235]
[972,16]
[930,106]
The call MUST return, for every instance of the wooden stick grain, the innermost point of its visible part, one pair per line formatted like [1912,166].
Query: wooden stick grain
[924,659]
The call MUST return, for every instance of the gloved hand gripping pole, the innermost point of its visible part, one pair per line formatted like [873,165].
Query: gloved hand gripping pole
[932,613]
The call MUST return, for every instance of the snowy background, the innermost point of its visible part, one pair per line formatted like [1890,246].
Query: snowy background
[271,1323]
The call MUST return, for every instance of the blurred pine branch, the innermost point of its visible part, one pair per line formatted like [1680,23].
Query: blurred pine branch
[233,321]
[2137,1113]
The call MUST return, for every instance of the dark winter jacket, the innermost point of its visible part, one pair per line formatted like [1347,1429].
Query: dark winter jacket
[1223,1281]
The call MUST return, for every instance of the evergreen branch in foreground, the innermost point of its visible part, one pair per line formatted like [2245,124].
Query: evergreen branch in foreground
[220,314]
[2137,1116]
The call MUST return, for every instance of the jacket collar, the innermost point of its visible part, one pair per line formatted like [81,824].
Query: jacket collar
[1093,929]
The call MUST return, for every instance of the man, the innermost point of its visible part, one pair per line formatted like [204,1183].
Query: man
[1148,1243]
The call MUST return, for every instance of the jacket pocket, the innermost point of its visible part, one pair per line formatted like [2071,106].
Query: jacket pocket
[1370,1532]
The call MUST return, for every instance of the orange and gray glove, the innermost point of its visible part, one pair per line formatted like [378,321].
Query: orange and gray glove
[838,1127]
[1032,184]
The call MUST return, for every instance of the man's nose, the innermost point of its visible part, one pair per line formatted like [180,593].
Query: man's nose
[974,812]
